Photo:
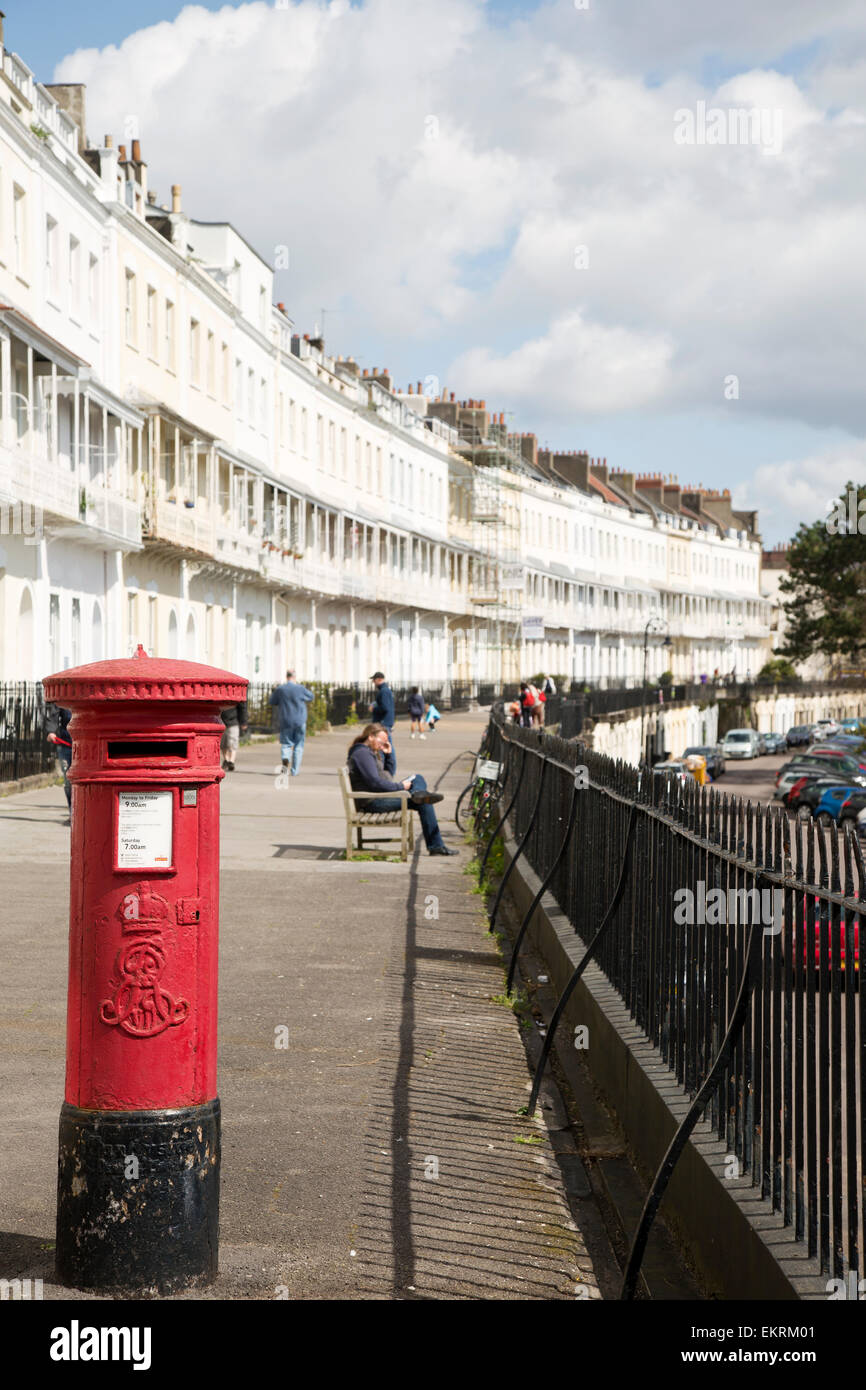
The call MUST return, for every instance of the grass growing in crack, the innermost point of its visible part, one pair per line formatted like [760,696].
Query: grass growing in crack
[528,1139]
[519,1005]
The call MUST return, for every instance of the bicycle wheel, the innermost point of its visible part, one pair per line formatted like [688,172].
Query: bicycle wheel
[461,810]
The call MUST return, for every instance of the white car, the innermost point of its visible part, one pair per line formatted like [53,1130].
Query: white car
[823,728]
[741,743]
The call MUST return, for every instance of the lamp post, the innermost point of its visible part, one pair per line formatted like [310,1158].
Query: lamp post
[655,624]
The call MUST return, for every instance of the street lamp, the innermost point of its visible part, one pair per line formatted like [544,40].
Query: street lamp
[655,624]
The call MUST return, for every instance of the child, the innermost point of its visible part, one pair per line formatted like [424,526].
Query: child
[416,711]
[433,716]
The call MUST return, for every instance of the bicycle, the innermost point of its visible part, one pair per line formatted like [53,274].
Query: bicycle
[478,797]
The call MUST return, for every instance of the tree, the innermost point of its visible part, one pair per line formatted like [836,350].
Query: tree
[777,670]
[826,584]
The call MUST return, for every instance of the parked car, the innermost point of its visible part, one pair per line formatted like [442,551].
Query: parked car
[839,804]
[790,783]
[775,743]
[824,727]
[847,768]
[712,753]
[853,726]
[801,734]
[741,743]
[674,769]
[829,804]
[834,756]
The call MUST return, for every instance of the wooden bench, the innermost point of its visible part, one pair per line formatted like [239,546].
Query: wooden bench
[357,820]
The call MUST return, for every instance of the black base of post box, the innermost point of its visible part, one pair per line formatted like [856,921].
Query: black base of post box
[138,1198]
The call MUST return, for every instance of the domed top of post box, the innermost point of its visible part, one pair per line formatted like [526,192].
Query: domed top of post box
[145,679]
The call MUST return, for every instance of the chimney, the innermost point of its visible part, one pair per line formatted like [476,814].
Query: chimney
[573,469]
[2,17]
[176,191]
[71,98]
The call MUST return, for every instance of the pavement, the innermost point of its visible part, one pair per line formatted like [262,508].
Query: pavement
[381,1154]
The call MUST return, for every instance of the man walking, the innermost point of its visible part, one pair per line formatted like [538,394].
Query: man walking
[290,700]
[382,712]
[236,720]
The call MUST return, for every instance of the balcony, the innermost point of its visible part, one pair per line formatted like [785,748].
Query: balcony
[32,479]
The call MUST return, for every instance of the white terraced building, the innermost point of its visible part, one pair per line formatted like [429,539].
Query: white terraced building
[179,468]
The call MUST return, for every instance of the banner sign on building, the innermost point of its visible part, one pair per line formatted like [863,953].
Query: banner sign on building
[533,627]
[512,577]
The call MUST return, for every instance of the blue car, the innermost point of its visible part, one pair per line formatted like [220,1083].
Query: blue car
[838,804]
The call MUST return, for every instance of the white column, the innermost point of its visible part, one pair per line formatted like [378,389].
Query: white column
[6,389]
[114,646]
[31,419]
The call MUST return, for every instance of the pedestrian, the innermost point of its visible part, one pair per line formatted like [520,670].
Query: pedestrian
[514,710]
[416,711]
[432,716]
[527,701]
[537,706]
[382,712]
[366,774]
[61,737]
[291,700]
[549,687]
[236,721]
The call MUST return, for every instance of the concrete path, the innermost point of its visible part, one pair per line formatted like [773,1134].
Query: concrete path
[379,1154]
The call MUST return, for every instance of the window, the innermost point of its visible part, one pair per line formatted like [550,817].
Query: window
[169,335]
[251,396]
[239,385]
[19,228]
[129,315]
[263,406]
[211,363]
[151,322]
[93,288]
[131,619]
[263,307]
[76,631]
[151,625]
[51,267]
[74,275]
[226,374]
[195,352]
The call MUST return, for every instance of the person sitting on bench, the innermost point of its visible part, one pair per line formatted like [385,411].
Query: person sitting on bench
[365,775]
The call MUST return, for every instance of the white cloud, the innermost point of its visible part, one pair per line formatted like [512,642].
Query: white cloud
[791,491]
[311,127]
[576,366]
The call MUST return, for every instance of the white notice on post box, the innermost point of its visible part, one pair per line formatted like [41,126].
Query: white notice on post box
[144,830]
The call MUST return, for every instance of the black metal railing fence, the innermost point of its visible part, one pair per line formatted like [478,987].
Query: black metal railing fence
[25,722]
[788,1106]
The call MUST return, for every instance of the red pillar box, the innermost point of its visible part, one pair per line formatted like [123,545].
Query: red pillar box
[138,1181]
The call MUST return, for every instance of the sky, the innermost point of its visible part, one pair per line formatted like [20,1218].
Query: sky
[551,205]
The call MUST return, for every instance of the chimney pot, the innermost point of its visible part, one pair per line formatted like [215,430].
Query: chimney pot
[176,205]
[136,151]
[108,142]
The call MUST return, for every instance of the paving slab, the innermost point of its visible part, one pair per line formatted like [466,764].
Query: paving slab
[397,1054]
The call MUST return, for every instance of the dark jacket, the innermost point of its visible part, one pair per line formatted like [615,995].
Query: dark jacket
[365,772]
[383,708]
[235,714]
[58,724]
[416,706]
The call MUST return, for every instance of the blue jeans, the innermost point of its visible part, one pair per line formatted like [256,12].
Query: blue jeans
[292,745]
[429,824]
[389,760]
[65,759]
